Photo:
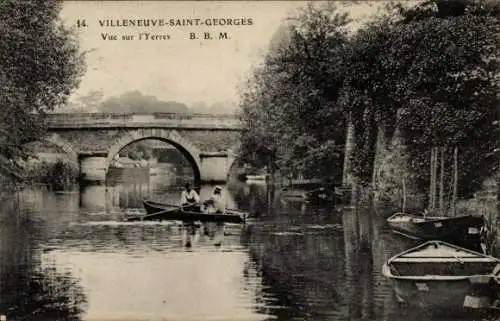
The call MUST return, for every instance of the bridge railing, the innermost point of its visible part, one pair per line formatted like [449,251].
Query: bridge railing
[128,119]
[126,116]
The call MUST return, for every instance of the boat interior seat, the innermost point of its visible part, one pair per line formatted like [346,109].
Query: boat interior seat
[393,269]
[449,268]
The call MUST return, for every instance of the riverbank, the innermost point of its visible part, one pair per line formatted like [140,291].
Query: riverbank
[57,173]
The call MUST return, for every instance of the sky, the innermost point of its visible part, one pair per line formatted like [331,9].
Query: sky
[178,69]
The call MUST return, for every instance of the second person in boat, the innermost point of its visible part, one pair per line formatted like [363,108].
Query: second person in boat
[215,204]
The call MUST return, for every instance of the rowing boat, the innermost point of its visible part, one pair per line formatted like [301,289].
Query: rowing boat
[460,230]
[440,275]
[160,211]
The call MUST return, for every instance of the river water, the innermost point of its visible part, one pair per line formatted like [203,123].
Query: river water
[66,256]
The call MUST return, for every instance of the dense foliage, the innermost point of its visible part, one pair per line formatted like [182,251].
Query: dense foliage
[40,63]
[290,105]
[58,174]
[429,69]
[451,99]
[438,71]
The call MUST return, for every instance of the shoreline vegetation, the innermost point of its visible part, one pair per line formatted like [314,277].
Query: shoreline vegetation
[56,174]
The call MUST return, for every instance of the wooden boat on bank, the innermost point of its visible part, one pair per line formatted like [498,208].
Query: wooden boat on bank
[465,230]
[263,177]
[320,194]
[161,211]
[442,276]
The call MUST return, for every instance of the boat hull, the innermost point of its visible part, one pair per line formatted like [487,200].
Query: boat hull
[464,231]
[442,295]
[159,212]
[257,177]
[155,207]
[294,194]
[441,276]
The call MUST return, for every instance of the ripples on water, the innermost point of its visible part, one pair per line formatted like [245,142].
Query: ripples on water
[67,256]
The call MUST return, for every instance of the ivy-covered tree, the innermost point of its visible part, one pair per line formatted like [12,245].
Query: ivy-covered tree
[40,63]
[451,90]
[436,66]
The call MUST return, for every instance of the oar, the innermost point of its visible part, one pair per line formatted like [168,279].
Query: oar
[141,217]
[199,203]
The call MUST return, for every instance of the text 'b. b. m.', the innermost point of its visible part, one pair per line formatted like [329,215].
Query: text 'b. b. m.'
[209,36]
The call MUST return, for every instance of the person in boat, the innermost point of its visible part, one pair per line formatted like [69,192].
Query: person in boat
[190,200]
[215,204]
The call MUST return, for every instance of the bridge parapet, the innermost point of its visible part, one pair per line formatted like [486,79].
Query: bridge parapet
[134,120]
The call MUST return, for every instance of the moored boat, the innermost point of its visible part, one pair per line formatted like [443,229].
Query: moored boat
[293,194]
[161,211]
[257,177]
[320,194]
[460,230]
[442,276]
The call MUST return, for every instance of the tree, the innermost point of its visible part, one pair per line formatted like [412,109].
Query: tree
[289,106]
[40,63]
[366,93]
[136,102]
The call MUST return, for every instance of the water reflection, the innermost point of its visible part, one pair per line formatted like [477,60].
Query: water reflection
[68,256]
[30,290]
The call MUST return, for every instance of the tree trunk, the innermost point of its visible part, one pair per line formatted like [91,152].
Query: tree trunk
[435,180]
[455,180]
[441,183]
[404,196]
[431,180]
[434,162]
[380,153]
[348,154]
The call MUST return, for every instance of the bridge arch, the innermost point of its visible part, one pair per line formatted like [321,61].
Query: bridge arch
[172,137]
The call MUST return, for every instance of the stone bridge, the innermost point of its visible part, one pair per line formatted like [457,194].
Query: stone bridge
[92,140]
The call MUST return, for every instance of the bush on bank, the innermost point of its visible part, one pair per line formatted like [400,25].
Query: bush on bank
[56,174]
